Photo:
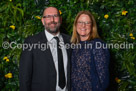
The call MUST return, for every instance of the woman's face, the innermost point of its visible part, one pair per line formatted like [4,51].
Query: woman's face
[84,26]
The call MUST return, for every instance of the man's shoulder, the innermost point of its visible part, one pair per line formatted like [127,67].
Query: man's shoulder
[66,36]
[35,37]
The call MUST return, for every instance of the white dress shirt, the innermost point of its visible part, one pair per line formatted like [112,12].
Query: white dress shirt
[52,44]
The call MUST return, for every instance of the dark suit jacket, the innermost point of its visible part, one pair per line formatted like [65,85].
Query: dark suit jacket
[37,70]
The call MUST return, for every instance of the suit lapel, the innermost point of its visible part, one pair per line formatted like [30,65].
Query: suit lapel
[48,51]
[67,40]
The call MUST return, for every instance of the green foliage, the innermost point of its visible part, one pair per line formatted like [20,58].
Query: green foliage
[115,29]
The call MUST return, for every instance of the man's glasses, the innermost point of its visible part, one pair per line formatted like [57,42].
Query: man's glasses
[86,23]
[50,16]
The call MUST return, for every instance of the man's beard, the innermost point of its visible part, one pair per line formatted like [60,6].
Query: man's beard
[55,29]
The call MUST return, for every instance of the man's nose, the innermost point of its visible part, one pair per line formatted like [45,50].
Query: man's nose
[52,18]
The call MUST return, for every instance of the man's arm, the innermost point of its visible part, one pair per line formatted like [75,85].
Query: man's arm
[25,68]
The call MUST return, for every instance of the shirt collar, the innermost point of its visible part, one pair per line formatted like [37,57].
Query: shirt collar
[50,36]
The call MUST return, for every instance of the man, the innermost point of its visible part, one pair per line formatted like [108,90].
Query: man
[41,70]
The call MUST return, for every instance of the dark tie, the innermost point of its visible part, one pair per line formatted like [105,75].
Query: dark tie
[61,73]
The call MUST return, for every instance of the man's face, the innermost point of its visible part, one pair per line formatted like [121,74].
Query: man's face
[51,20]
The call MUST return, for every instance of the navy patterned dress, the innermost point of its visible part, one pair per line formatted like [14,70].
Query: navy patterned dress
[90,71]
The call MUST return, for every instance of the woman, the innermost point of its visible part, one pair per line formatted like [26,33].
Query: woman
[89,62]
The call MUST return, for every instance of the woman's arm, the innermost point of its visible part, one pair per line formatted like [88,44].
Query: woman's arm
[101,62]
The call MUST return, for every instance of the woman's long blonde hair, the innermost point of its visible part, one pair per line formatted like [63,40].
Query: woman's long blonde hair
[93,34]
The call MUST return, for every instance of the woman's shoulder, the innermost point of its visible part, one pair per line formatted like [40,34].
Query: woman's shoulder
[98,43]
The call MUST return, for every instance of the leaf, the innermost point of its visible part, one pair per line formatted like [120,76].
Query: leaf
[123,86]
[21,11]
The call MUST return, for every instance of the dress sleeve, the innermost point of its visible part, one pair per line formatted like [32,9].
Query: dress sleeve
[101,63]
